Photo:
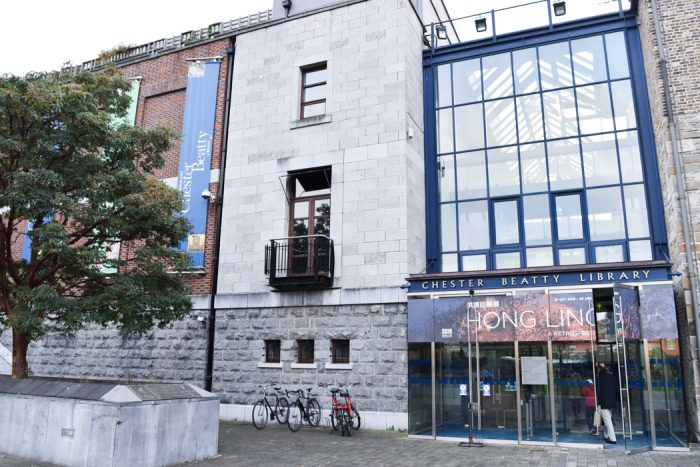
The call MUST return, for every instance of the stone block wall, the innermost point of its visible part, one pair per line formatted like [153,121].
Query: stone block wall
[680,28]
[373,54]
[378,352]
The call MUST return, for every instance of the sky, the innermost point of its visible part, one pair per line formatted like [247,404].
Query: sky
[41,35]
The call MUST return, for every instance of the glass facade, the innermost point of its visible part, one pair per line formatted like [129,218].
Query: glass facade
[538,158]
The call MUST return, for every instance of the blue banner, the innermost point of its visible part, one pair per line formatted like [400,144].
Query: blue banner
[195,153]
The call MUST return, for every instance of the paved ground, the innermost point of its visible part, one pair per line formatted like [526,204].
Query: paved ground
[243,445]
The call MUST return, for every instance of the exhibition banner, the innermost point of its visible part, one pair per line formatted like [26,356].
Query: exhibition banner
[195,153]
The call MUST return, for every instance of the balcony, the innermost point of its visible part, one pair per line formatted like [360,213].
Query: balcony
[298,263]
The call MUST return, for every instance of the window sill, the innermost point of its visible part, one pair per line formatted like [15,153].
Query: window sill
[311,121]
[338,366]
[269,365]
[303,366]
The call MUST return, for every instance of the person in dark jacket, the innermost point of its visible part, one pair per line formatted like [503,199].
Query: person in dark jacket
[608,395]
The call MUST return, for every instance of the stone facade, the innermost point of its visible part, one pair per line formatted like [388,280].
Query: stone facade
[373,52]
[371,136]
[680,24]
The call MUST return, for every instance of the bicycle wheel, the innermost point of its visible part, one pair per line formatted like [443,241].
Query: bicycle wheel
[344,422]
[294,417]
[260,415]
[314,409]
[334,417]
[282,410]
[355,420]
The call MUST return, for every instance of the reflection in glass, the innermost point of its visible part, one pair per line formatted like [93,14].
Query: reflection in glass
[443,121]
[471,175]
[500,123]
[419,395]
[640,250]
[446,178]
[564,164]
[504,177]
[505,217]
[617,55]
[498,77]
[301,209]
[560,113]
[539,257]
[469,123]
[630,159]
[605,219]
[609,254]
[555,66]
[449,263]
[600,160]
[322,220]
[589,60]
[473,225]
[467,81]
[300,228]
[473,262]
[537,220]
[636,211]
[533,168]
[448,227]
[569,256]
[529,111]
[569,219]
[623,103]
[525,68]
[594,110]
[508,260]
[443,89]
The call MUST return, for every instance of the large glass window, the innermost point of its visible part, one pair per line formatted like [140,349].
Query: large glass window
[539,158]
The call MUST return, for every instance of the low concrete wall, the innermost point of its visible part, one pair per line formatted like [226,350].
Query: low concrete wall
[95,433]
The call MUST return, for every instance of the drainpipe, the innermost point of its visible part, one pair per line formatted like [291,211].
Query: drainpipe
[211,321]
[678,166]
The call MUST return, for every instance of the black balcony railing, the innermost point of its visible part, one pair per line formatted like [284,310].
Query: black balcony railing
[300,262]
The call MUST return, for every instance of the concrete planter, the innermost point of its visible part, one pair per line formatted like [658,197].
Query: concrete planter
[92,424]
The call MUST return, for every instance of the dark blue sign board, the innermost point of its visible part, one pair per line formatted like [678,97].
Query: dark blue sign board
[550,279]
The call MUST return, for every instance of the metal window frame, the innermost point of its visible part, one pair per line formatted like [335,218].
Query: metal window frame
[600,26]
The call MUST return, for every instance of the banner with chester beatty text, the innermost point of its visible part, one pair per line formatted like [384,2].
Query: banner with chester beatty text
[195,153]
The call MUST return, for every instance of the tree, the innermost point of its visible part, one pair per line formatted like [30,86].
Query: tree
[84,183]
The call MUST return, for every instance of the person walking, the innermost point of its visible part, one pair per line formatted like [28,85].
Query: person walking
[608,395]
[588,394]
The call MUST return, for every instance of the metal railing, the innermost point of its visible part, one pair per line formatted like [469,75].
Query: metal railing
[516,18]
[183,40]
[299,257]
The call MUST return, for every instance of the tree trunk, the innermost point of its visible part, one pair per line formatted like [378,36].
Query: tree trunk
[20,343]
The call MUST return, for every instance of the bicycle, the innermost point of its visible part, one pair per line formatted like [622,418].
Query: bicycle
[262,410]
[298,411]
[345,414]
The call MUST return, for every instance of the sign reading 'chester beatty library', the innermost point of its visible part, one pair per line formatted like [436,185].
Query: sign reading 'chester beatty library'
[519,281]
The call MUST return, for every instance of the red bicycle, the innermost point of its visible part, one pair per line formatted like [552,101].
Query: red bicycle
[344,414]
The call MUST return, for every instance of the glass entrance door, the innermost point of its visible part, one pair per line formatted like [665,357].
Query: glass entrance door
[575,399]
[535,397]
[621,369]
[496,395]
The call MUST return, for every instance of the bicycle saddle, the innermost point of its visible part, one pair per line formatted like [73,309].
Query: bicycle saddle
[335,391]
[308,390]
[276,388]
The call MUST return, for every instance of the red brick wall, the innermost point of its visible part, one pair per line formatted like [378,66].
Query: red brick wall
[162,102]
